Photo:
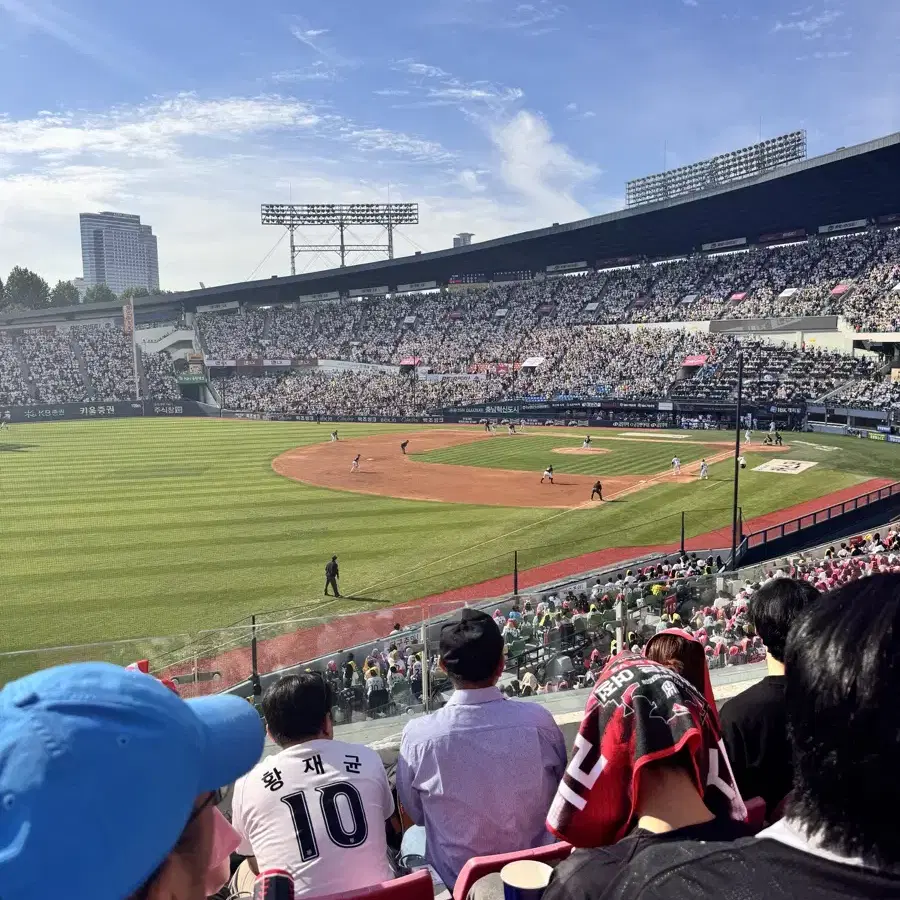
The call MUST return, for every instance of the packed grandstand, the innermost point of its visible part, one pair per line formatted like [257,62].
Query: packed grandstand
[603,334]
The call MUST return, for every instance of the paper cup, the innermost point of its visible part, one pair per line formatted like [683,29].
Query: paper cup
[526,879]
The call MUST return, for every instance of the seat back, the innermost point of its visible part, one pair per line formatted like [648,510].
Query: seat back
[417,886]
[479,866]
[756,813]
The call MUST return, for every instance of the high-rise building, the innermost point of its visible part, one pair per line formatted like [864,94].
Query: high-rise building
[463,239]
[116,250]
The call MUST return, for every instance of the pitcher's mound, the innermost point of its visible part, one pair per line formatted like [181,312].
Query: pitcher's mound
[579,451]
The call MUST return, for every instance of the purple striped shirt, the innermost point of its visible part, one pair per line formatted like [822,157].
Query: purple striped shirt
[480,775]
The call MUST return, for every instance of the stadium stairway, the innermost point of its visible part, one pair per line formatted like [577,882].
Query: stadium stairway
[142,371]
[82,365]
[267,325]
[26,370]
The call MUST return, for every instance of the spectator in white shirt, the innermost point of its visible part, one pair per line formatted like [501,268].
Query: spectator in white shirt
[317,808]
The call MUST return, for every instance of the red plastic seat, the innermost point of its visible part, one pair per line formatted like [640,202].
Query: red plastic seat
[417,886]
[756,813]
[479,866]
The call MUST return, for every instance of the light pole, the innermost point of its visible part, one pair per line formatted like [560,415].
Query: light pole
[737,468]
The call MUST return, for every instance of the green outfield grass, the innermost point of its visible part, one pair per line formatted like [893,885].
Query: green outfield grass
[534,452]
[134,528]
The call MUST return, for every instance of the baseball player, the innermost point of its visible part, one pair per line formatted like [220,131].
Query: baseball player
[548,474]
[598,490]
[354,466]
[586,443]
[676,465]
[742,462]
[334,436]
[510,429]
[748,435]
[704,469]
[403,446]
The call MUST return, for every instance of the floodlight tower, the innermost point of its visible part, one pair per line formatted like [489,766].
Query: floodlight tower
[339,216]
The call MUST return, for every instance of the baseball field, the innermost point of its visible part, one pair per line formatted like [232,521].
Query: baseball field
[132,529]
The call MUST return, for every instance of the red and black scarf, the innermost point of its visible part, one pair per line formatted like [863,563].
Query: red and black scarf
[638,712]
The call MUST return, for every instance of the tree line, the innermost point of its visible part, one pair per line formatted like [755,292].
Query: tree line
[25,289]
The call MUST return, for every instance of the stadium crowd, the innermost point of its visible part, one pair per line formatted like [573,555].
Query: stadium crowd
[50,370]
[664,796]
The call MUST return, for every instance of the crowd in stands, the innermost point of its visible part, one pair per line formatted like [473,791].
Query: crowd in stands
[107,353]
[53,360]
[53,367]
[662,795]
[161,383]
[13,386]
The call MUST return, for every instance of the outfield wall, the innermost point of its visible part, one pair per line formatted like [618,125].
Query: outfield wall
[61,412]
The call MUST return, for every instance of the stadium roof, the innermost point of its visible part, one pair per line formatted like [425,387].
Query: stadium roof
[860,182]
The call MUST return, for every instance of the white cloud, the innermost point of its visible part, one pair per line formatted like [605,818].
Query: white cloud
[391,92]
[422,70]
[572,107]
[690,2]
[151,130]
[471,181]
[544,173]
[313,73]
[811,27]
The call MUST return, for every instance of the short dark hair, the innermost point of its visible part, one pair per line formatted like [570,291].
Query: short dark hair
[843,679]
[295,707]
[773,609]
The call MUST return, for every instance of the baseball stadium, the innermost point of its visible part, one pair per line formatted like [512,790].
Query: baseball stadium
[524,466]
[177,471]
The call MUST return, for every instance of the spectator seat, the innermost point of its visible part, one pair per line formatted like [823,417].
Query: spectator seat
[479,866]
[417,886]
[756,813]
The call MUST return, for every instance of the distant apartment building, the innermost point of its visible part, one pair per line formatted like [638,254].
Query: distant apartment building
[463,239]
[118,251]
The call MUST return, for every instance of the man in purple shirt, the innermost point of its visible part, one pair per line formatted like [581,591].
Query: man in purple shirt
[479,774]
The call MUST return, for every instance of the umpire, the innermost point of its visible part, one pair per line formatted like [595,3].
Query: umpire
[331,576]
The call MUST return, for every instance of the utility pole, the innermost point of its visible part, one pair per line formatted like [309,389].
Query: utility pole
[737,468]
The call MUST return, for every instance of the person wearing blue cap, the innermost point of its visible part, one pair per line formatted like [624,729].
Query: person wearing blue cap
[107,780]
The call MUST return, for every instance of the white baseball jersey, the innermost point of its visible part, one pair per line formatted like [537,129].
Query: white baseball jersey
[318,810]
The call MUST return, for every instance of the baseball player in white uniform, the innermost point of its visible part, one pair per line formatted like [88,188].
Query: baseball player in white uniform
[676,465]
[704,469]
[317,807]
[742,462]
[748,434]
[354,466]
[548,474]
[586,443]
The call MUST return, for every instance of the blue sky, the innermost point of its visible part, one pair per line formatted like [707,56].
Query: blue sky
[495,115]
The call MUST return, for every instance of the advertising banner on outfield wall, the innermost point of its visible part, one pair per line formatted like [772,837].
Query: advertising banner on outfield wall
[59,412]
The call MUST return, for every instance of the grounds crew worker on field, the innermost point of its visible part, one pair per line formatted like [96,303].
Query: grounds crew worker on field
[331,576]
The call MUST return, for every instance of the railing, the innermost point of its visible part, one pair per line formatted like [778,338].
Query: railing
[766,535]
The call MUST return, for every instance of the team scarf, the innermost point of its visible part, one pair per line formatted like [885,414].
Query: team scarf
[639,712]
[707,682]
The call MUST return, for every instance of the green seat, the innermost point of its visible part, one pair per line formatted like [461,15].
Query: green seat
[516,648]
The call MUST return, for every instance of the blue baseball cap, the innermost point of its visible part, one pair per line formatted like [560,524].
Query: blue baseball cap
[99,771]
